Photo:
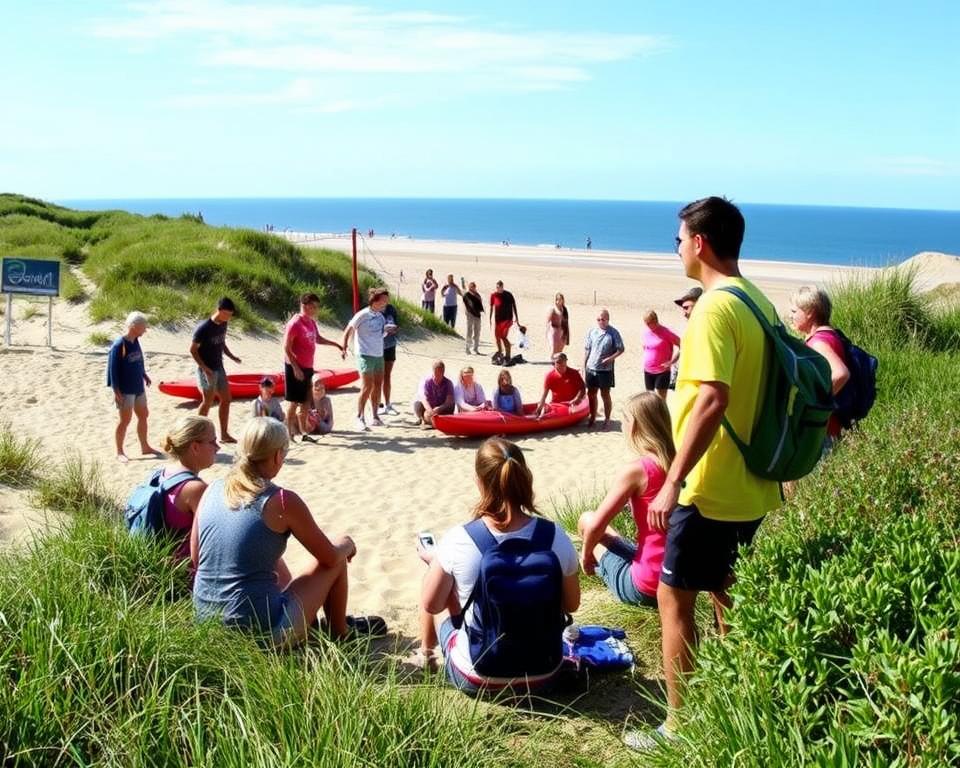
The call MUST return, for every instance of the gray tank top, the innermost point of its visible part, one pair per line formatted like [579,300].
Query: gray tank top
[236,579]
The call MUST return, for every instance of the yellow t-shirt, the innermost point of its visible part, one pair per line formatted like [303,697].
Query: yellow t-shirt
[723,342]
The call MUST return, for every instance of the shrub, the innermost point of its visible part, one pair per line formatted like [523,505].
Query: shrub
[20,458]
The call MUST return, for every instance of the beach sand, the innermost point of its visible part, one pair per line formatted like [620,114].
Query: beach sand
[384,486]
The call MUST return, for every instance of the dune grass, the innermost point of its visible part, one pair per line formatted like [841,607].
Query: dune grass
[176,269]
[20,458]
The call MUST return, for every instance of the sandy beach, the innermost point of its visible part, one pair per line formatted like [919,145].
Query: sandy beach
[384,486]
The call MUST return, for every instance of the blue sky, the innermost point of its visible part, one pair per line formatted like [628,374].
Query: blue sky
[852,103]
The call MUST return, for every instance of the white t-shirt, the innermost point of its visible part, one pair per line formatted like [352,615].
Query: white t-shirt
[368,330]
[459,557]
[472,396]
[450,295]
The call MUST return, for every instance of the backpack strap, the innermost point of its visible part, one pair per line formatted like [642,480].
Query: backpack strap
[543,534]
[169,483]
[478,531]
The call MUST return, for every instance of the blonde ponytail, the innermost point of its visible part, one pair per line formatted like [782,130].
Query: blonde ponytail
[262,437]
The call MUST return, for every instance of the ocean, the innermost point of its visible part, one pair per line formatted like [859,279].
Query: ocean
[814,234]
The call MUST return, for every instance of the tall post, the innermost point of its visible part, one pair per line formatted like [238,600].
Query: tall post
[6,333]
[356,282]
[50,321]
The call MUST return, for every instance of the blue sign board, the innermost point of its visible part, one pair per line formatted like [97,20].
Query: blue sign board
[39,277]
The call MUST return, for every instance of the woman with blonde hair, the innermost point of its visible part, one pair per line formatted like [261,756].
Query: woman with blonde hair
[468,394]
[192,442]
[237,545]
[499,632]
[558,326]
[631,570]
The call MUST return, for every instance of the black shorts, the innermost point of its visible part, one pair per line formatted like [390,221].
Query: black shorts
[599,379]
[389,354]
[700,552]
[652,381]
[297,391]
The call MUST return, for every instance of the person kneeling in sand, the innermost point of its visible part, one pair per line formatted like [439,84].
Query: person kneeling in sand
[564,384]
[320,418]
[506,397]
[468,394]
[519,646]
[631,570]
[434,396]
[267,404]
[237,543]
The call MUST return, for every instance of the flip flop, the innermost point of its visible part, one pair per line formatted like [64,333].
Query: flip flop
[374,626]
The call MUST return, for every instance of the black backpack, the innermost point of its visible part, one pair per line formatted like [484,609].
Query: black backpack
[856,398]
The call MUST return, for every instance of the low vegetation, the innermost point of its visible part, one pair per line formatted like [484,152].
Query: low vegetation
[20,458]
[175,269]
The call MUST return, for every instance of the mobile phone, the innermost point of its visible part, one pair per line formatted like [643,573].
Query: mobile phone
[425,538]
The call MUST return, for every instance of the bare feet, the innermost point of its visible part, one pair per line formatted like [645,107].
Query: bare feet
[227,438]
[148,451]
[591,422]
[425,659]
[606,425]
[122,458]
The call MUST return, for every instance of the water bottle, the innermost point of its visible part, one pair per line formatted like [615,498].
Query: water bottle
[571,633]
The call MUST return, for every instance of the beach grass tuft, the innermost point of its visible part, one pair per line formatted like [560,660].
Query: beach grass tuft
[20,458]
[100,339]
[76,486]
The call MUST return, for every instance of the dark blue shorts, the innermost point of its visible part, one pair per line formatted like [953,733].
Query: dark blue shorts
[600,379]
[701,552]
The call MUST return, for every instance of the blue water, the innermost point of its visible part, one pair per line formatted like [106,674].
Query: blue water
[824,235]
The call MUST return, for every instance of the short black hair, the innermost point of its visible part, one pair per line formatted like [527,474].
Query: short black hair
[309,298]
[226,303]
[719,221]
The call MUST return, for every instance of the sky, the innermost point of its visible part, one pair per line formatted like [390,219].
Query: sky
[825,103]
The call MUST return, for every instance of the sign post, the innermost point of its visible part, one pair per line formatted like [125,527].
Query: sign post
[31,277]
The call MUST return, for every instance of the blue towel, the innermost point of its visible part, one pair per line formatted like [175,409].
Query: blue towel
[599,648]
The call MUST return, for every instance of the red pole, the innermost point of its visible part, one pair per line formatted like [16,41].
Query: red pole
[356,282]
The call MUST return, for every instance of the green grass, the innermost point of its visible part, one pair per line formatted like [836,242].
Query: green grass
[176,269]
[20,458]
[100,339]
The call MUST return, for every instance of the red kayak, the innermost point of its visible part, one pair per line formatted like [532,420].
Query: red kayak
[247,385]
[486,423]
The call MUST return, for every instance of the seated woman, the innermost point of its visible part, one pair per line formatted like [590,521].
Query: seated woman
[631,570]
[468,394]
[237,543]
[501,632]
[506,397]
[320,416]
[193,443]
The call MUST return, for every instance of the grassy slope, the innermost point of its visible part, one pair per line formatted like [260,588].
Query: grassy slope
[175,269]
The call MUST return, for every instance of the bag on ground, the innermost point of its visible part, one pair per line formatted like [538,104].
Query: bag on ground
[144,511]
[787,440]
[856,398]
[598,647]
[517,622]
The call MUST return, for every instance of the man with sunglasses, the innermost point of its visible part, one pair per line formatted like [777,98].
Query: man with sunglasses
[686,303]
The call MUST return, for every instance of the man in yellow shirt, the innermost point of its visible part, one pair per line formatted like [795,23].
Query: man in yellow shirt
[710,504]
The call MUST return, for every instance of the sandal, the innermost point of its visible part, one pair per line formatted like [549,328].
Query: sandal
[374,626]
[424,658]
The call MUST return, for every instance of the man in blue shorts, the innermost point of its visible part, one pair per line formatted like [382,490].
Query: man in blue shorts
[208,348]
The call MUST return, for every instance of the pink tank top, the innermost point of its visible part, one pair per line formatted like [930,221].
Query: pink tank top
[645,569]
[832,340]
[178,522]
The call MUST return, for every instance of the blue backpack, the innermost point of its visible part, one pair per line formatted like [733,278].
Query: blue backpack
[856,398]
[144,511]
[517,624]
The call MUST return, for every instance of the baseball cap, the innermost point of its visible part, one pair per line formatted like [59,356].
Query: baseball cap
[692,295]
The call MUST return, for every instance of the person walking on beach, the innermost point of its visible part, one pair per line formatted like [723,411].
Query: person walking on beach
[127,375]
[473,304]
[503,312]
[390,327]
[429,287]
[661,349]
[558,326]
[300,339]
[208,348]
[563,383]
[368,326]
[602,346]
[710,504]
[450,292]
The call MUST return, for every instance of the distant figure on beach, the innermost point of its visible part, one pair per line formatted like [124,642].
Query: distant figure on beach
[686,303]
[503,312]
[429,287]
[506,397]
[810,310]
[391,327]
[710,503]
[563,384]
[300,339]
[237,543]
[589,243]
[468,394]
[473,306]
[267,403]
[434,396]
[207,349]
[370,233]
[558,326]
[192,443]
[127,376]
[369,325]
[602,346]
[320,418]
[493,634]
[631,569]
[450,292]
[661,349]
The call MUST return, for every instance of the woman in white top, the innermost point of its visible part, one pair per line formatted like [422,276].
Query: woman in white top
[468,394]
[504,512]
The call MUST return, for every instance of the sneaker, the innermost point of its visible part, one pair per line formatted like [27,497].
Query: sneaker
[376,422]
[476,351]
[468,350]
[391,410]
[361,425]
[648,739]
[382,410]
[308,439]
